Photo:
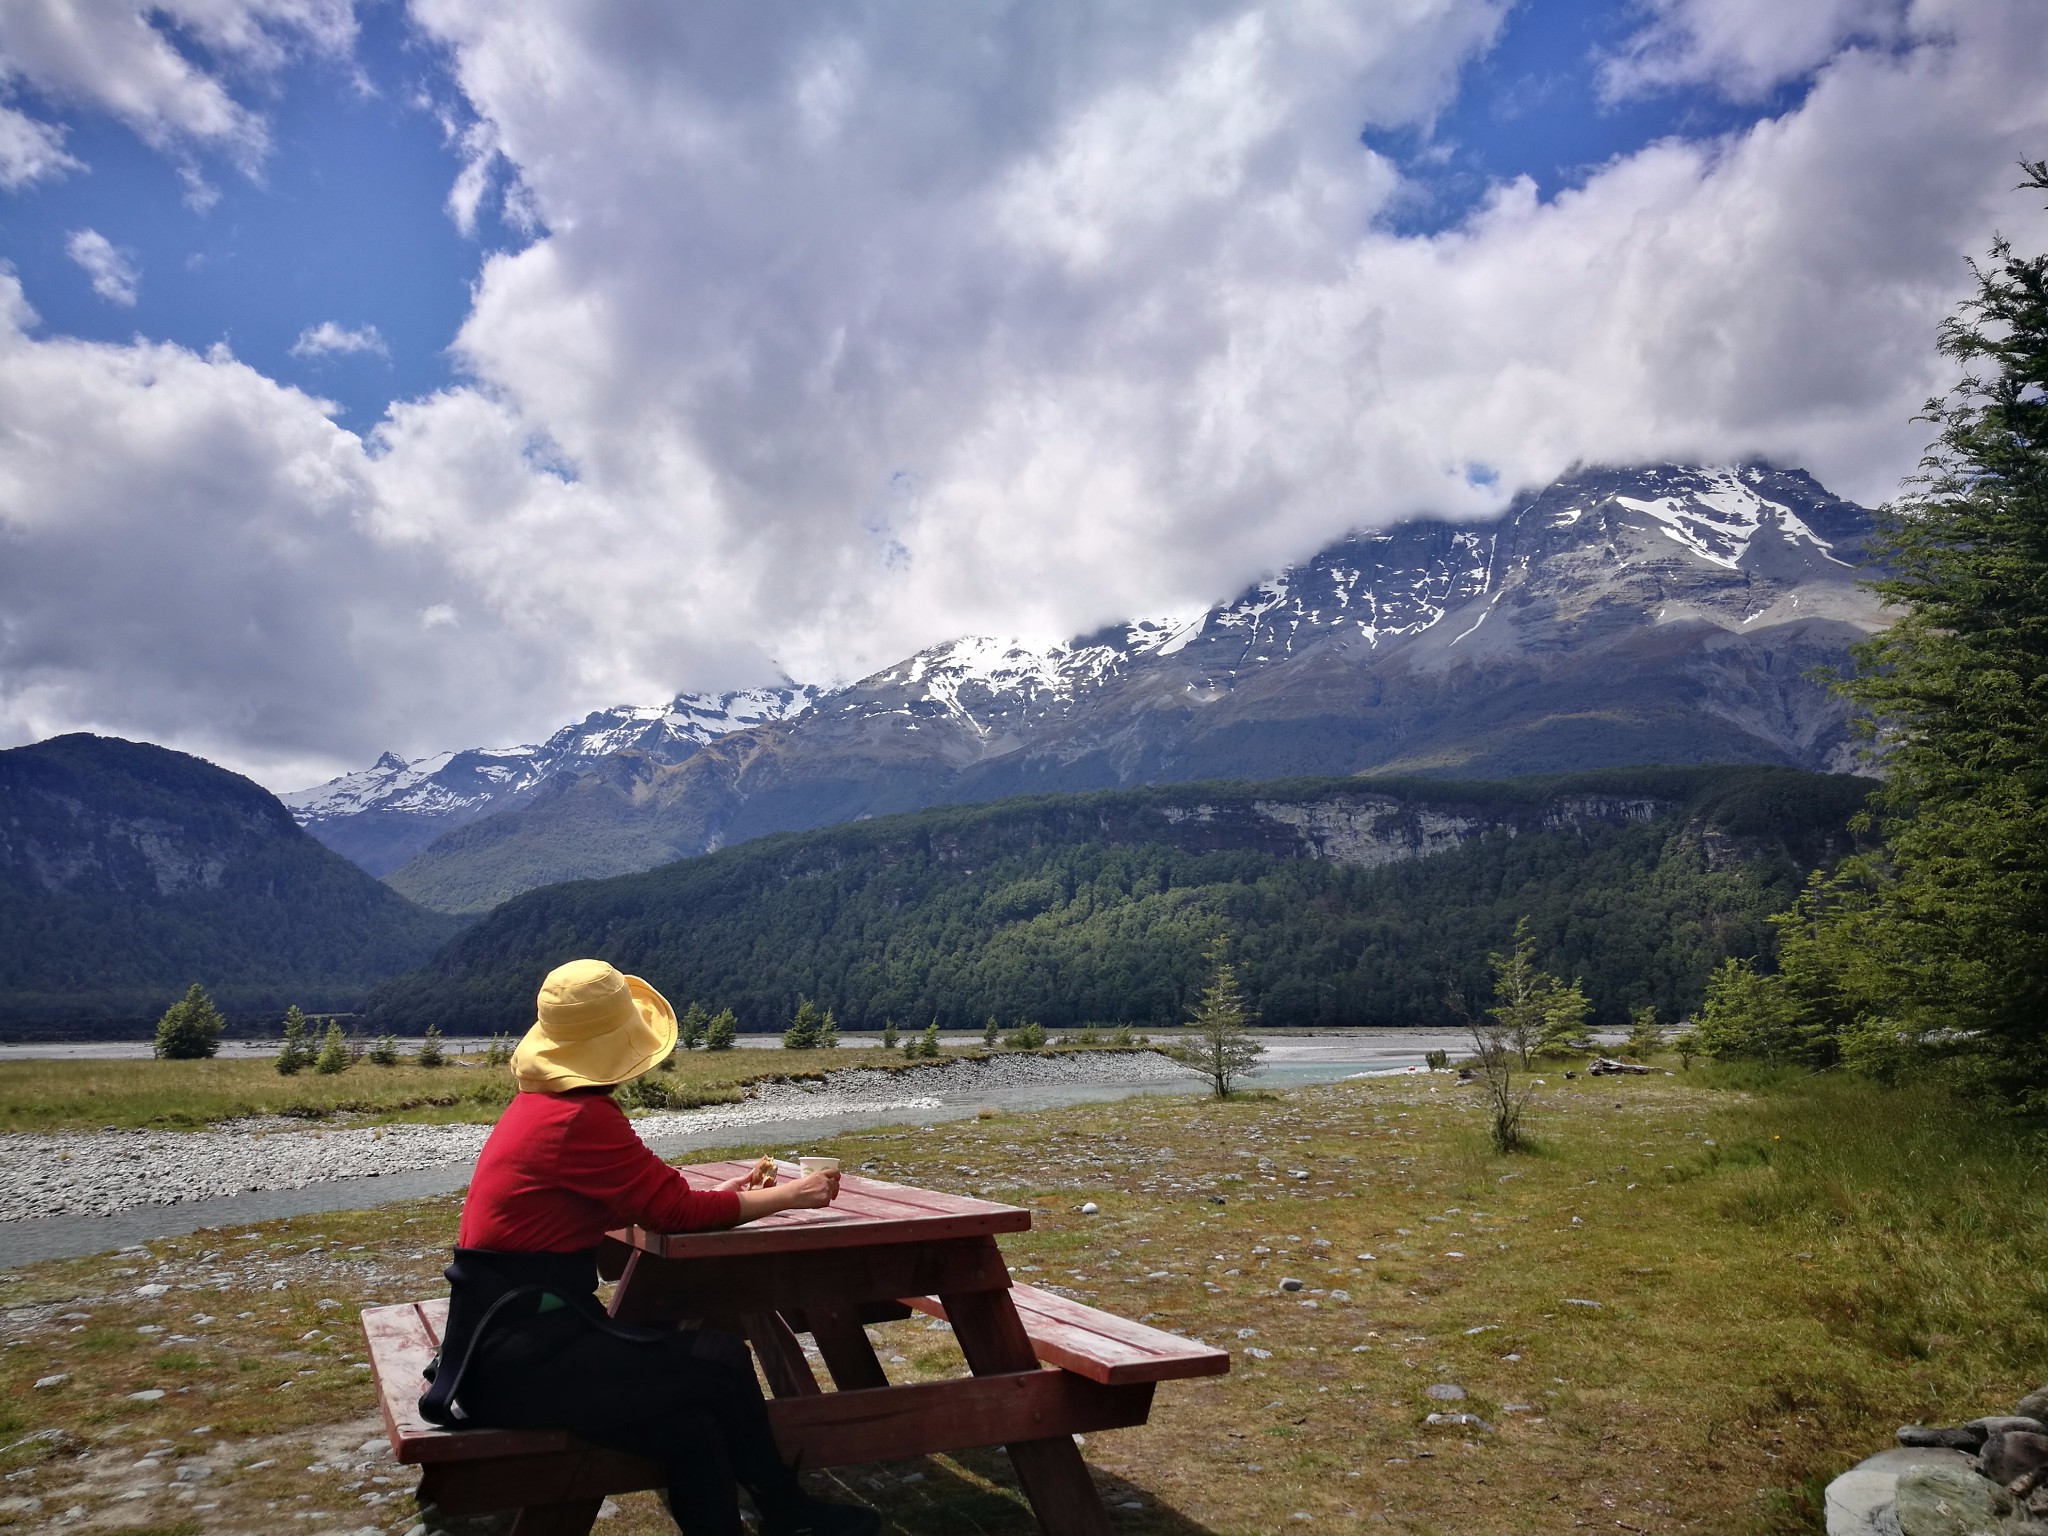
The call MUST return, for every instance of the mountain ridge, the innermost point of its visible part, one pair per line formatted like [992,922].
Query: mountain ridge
[129,871]
[1657,613]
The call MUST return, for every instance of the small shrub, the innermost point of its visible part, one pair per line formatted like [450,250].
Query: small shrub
[429,1053]
[190,1028]
[928,1042]
[889,1035]
[385,1052]
[333,1055]
[1437,1061]
[720,1033]
[828,1033]
[690,1030]
[499,1051]
[990,1032]
[1027,1036]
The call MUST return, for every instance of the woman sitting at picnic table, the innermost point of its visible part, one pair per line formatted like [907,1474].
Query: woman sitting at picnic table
[529,1346]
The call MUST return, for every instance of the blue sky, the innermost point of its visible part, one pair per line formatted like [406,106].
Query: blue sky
[799,337]
[345,221]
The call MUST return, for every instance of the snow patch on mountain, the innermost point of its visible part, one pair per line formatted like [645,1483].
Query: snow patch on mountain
[1718,518]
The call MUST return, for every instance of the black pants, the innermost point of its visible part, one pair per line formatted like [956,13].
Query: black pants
[687,1400]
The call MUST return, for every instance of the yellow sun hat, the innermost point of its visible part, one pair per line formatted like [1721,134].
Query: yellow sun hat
[593,1026]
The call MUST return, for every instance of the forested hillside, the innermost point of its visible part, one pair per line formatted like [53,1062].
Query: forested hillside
[1351,901]
[128,871]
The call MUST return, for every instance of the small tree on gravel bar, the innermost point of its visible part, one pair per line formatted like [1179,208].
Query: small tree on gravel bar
[723,1029]
[1223,1048]
[385,1052]
[889,1035]
[297,1050]
[429,1054]
[190,1028]
[928,1042]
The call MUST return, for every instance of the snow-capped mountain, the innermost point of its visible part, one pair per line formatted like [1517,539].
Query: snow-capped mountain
[382,815]
[1620,616]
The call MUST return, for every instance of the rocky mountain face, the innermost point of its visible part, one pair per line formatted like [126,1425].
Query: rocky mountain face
[1658,614]
[386,813]
[128,871]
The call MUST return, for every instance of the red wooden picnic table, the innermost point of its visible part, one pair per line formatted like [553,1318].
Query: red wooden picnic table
[879,1253]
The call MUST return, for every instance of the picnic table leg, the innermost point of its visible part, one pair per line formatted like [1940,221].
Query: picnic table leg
[574,1518]
[1055,1478]
[781,1356]
[844,1344]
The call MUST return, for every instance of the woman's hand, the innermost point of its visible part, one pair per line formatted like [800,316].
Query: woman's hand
[807,1193]
[760,1176]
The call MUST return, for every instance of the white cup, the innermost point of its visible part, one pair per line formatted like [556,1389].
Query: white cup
[818,1164]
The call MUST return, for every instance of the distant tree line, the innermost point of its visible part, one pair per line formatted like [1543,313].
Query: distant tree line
[940,918]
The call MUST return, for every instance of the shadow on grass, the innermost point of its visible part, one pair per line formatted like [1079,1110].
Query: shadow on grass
[975,1493]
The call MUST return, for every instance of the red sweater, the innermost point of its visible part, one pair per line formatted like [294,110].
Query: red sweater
[560,1170]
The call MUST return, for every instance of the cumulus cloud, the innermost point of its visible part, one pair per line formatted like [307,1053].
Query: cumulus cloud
[330,337]
[112,270]
[854,328]
[118,57]
[30,151]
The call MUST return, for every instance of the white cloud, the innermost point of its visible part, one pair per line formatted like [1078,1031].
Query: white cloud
[856,327]
[329,337]
[30,151]
[1747,48]
[112,270]
[117,56]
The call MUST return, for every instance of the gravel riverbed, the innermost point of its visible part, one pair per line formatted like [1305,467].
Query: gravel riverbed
[96,1173]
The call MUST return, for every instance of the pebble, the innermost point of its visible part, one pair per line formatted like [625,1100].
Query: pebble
[1445,1392]
[57,1380]
[1089,1208]
[1290,1284]
[151,1395]
[96,1173]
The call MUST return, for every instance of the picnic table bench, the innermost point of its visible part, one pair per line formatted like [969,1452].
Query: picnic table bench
[1042,1367]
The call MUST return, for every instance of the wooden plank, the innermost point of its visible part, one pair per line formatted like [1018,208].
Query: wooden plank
[401,1339]
[869,1211]
[833,1429]
[849,1356]
[1055,1479]
[480,1487]
[781,1355]
[574,1518]
[841,1429]
[1100,1345]
[658,1291]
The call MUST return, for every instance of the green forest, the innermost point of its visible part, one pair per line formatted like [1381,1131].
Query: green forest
[1098,908]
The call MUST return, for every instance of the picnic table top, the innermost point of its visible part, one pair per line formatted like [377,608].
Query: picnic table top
[867,1213]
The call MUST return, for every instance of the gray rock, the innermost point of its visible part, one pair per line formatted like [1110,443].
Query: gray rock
[2005,1424]
[1290,1284]
[2034,1405]
[1957,1437]
[1445,1392]
[2013,1453]
[1951,1501]
[1859,1502]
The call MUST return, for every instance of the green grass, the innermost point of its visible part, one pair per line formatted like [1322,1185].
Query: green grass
[182,1095]
[1787,1269]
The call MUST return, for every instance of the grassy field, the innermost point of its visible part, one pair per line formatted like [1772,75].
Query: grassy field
[177,1095]
[1692,1306]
